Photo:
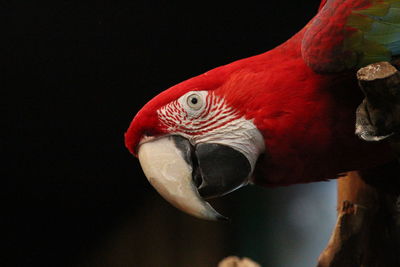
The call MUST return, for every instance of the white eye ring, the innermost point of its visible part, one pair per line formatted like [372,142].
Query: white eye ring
[194,101]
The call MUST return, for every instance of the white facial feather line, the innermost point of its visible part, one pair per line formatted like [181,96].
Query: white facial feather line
[214,122]
[177,117]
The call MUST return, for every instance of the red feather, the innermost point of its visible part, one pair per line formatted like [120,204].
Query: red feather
[307,119]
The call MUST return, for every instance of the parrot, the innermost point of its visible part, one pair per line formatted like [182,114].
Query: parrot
[282,117]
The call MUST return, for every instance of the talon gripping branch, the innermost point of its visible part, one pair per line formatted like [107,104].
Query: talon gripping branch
[282,117]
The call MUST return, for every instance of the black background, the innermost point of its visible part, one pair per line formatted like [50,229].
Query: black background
[75,74]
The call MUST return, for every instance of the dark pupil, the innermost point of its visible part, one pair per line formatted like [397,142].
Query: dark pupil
[194,100]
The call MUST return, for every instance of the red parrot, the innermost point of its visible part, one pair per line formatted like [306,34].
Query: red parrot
[283,117]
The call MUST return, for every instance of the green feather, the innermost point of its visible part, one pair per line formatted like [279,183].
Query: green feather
[377,36]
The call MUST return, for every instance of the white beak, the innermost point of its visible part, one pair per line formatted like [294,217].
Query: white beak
[170,174]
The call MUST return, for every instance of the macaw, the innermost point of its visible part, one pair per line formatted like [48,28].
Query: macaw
[283,117]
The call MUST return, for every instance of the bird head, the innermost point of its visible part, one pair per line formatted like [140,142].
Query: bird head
[194,142]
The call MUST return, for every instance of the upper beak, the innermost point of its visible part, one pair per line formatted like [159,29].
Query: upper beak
[184,174]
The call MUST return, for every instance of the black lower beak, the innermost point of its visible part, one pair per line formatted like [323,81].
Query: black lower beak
[217,169]
[220,168]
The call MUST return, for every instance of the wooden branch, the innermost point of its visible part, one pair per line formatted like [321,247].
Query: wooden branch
[367,232]
[378,116]
[233,261]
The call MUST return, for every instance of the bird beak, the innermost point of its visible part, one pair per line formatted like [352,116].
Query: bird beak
[184,174]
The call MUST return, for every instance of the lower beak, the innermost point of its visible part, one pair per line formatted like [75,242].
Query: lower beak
[184,174]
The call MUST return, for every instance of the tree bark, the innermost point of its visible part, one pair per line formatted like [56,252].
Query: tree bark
[378,116]
[367,232]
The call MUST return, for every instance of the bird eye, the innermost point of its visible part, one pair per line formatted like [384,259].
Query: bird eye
[194,101]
